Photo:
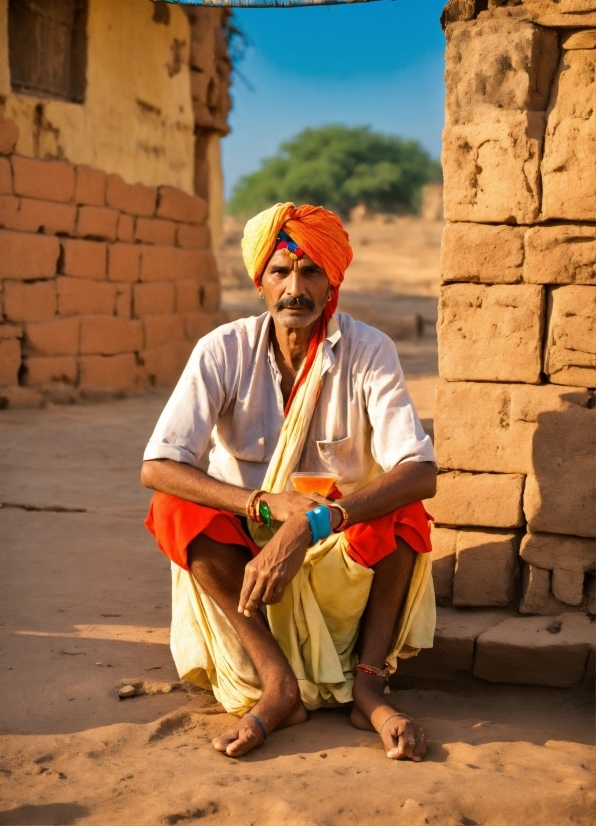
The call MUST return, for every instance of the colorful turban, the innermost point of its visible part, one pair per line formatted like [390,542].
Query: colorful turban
[316,231]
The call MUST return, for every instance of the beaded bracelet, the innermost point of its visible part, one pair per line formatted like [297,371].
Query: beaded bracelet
[252,507]
[344,517]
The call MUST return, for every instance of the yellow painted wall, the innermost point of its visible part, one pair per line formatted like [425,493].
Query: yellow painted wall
[137,118]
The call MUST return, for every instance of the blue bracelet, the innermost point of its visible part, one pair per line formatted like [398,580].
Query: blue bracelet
[320,523]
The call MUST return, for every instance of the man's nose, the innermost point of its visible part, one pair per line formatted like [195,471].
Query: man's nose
[295,285]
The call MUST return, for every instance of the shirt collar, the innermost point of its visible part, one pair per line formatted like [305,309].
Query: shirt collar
[333,336]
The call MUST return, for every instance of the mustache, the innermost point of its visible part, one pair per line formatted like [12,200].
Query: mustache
[295,301]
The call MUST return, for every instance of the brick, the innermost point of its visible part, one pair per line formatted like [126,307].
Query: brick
[486,568]
[560,491]
[180,206]
[162,329]
[171,263]
[193,236]
[197,325]
[583,39]
[6,178]
[106,336]
[153,299]
[21,397]
[45,369]
[189,292]
[90,186]
[482,253]
[9,134]
[492,169]
[211,298]
[26,256]
[570,354]
[443,559]
[155,231]
[126,228]
[165,364]
[46,180]
[536,594]
[118,372]
[84,259]
[501,428]
[567,586]
[27,215]
[560,254]
[97,222]
[535,650]
[135,199]
[550,551]
[77,296]
[10,360]
[123,300]
[10,330]
[492,500]
[59,337]
[124,262]
[29,302]
[480,326]
[568,168]
[567,13]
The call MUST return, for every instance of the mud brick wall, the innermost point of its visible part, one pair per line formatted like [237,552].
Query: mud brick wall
[104,285]
[515,418]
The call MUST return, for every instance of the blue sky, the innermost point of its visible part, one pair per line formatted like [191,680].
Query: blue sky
[378,63]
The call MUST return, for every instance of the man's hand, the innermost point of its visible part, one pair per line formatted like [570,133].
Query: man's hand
[290,503]
[267,576]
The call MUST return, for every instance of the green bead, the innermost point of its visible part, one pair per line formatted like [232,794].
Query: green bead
[265,513]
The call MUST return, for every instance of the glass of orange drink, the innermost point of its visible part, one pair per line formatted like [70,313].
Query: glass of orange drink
[309,483]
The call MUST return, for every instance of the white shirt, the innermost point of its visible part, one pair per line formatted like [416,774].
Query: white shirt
[364,423]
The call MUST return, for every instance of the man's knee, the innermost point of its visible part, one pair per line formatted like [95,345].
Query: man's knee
[207,556]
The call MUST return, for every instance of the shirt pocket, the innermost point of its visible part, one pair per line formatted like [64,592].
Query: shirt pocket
[338,457]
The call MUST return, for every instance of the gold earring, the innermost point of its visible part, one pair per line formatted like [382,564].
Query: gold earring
[261,296]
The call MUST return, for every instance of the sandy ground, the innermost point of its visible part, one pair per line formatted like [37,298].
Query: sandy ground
[85,609]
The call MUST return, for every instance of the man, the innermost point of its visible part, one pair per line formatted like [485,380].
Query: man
[345,581]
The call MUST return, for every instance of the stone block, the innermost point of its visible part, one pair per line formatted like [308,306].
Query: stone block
[6,179]
[570,13]
[20,397]
[162,329]
[492,500]
[536,594]
[550,551]
[29,302]
[108,335]
[560,491]
[503,64]
[560,254]
[172,263]
[27,215]
[28,257]
[155,231]
[164,365]
[486,568]
[568,168]
[97,222]
[10,360]
[153,299]
[197,325]
[443,543]
[481,326]
[84,259]
[47,369]
[135,199]
[124,300]
[567,586]
[126,228]
[124,262]
[507,428]
[211,298]
[482,253]
[10,330]
[536,650]
[46,180]
[77,296]
[193,236]
[582,39]
[189,294]
[90,186]
[177,205]
[570,353]
[118,372]
[59,337]
[9,135]
[491,169]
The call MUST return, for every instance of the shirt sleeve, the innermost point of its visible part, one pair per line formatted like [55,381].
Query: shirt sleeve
[183,430]
[397,434]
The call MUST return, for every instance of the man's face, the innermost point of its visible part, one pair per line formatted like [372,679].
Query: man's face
[295,291]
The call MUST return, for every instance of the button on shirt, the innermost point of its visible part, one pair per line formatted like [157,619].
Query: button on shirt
[230,395]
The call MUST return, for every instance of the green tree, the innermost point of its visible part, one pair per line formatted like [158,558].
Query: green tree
[339,167]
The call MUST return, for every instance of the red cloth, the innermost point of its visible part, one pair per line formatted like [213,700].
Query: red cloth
[176,522]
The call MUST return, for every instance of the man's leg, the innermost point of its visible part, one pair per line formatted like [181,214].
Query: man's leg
[219,569]
[390,585]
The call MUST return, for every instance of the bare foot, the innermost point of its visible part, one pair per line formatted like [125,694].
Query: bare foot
[402,738]
[275,710]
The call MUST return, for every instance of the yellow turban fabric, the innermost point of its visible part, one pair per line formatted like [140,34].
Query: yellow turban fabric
[317,231]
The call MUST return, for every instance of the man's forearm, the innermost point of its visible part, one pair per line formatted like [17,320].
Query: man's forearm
[188,482]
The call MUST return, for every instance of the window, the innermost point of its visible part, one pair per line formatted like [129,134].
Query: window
[47,41]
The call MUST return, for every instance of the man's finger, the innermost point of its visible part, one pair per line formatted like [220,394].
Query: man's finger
[273,592]
[247,587]
[406,742]
[255,598]
[420,747]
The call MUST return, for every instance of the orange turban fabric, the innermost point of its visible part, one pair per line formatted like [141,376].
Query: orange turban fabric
[317,231]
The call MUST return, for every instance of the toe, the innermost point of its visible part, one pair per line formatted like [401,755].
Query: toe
[222,742]
[245,742]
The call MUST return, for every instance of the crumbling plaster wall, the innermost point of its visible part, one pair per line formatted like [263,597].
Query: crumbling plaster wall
[515,418]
